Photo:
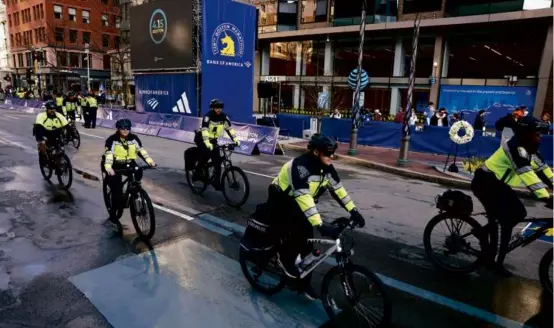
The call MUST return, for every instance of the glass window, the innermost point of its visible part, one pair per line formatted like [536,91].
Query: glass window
[314,11]
[59,34]
[86,16]
[84,61]
[105,41]
[74,59]
[72,14]
[58,12]
[72,36]
[105,20]
[282,58]
[116,42]
[377,61]
[267,15]
[510,51]
[20,60]
[86,37]
[107,61]
[29,59]
[117,22]
[425,54]
[61,58]
[314,54]
[419,6]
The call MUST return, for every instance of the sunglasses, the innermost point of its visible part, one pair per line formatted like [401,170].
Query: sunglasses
[328,153]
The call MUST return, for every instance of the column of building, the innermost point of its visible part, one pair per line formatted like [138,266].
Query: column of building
[438,62]
[545,69]
[328,70]
[264,71]
[298,96]
[397,71]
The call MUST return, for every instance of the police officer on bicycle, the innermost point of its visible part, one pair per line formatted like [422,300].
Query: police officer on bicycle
[121,148]
[213,125]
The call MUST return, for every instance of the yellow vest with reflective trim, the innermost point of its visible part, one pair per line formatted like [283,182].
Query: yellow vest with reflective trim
[92,103]
[59,101]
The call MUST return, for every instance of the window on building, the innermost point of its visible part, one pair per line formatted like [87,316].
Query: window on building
[58,12]
[37,37]
[116,42]
[11,39]
[86,37]
[287,15]
[314,11]
[105,41]
[107,62]
[425,54]
[59,34]
[377,60]
[267,16]
[420,6]
[117,22]
[104,2]
[61,58]
[72,14]
[10,20]
[14,61]
[282,58]
[41,11]
[84,61]
[105,20]
[35,10]
[20,60]
[29,59]
[73,36]
[74,59]
[86,16]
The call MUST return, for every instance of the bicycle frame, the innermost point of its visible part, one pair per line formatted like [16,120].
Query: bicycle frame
[534,235]
[335,248]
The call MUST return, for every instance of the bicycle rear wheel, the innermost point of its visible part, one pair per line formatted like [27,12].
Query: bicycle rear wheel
[142,214]
[198,182]
[347,306]
[255,264]
[231,185]
[456,242]
[64,168]
[545,271]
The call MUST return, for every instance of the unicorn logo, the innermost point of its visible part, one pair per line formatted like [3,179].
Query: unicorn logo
[229,49]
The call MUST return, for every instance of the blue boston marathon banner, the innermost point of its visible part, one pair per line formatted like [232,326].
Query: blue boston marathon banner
[496,101]
[228,57]
[166,93]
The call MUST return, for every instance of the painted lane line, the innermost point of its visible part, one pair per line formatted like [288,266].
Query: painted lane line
[12,117]
[91,135]
[203,224]
[224,223]
[260,174]
[170,211]
[17,144]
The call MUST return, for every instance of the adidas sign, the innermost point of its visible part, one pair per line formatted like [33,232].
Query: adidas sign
[182,105]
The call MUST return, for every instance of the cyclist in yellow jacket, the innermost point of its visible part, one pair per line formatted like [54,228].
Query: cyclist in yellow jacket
[214,123]
[517,161]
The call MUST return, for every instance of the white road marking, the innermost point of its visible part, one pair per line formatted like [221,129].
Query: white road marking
[90,135]
[12,117]
[17,144]
[260,174]
[170,211]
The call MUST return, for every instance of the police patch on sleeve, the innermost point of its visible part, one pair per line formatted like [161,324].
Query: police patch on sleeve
[206,119]
[522,152]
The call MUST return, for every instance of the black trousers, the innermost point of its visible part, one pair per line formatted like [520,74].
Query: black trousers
[86,116]
[292,226]
[92,117]
[116,188]
[206,154]
[502,205]
[71,114]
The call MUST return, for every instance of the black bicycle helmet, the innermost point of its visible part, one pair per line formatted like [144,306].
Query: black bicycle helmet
[322,143]
[123,123]
[50,105]
[216,103]
[529,124]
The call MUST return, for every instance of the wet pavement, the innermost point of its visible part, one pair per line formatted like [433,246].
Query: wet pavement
[61,267]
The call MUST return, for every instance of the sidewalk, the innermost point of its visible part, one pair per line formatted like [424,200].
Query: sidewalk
[421,166]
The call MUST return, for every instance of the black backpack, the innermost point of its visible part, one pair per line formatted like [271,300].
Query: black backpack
[455,201]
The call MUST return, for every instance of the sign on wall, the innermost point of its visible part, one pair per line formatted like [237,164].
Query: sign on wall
[229,29]
[166,93]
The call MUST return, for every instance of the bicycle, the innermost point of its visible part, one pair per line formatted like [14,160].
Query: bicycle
[72,135]
[55,159]
[134,197]
[456,242]
[342,249]
[207,176]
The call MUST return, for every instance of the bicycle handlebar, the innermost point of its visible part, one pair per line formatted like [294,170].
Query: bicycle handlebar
[343,223]
[227,146]
[134,168]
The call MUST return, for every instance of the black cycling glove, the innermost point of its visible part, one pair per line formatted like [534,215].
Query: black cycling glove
[330,231]
[357,218]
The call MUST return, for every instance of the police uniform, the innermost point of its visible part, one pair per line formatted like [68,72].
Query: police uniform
[59,104]
[118,153]
[292,201]
[70,106]
[508,167]
[49,127]
[91,108]
[213,126]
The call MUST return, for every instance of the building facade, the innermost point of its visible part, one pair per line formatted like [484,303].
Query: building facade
[72,37]
[5,69]
[310,46]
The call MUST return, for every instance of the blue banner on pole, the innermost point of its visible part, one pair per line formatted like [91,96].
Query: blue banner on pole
[166,93]
[228,57]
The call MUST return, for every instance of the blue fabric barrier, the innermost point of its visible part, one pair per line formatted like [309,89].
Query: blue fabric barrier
[294,123]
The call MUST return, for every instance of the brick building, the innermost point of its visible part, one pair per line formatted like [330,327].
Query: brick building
[60,31]
[310,46]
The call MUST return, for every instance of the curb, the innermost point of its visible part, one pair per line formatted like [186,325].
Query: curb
[445,181]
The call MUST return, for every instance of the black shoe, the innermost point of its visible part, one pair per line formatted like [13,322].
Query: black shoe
[218,186]
[115,225]
[290,269]
[309,292]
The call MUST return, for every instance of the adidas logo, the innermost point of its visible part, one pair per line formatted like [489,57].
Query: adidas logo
[182,105]
[153,103]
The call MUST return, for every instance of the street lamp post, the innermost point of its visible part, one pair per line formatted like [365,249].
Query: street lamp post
[87,51]
[405,140]
[356,108]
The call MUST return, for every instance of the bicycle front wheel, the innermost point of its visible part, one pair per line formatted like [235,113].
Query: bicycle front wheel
[364,303]
[235,186]
[45,167]
[142,214]
[545,271]
[64,171]
[76,138]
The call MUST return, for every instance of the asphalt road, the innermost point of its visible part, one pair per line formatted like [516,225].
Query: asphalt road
[61,267]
